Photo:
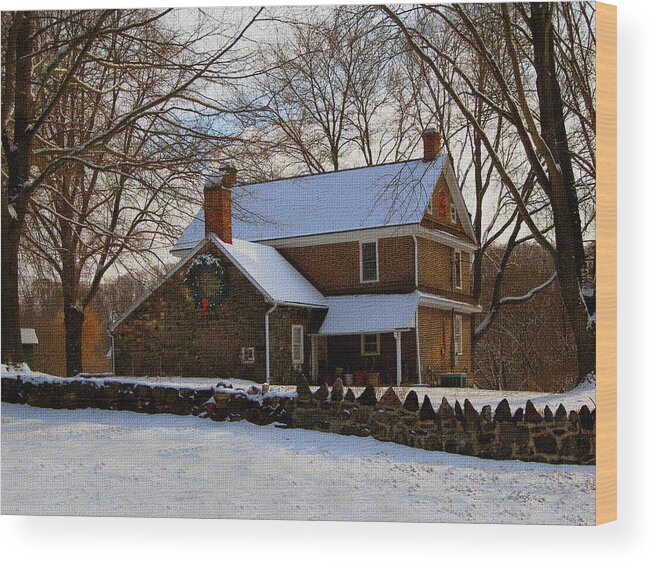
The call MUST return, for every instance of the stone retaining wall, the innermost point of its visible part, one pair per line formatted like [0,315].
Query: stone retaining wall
[527,435]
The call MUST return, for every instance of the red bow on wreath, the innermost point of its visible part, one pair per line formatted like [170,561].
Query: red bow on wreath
[204,305]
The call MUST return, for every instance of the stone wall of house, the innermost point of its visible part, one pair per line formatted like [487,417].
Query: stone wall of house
[527,435]
[168,335]
[281,321]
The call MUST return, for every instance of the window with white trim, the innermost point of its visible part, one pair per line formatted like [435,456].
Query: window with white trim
[369,261]
[457,269]
[297,345]
[454,214]
[248,355]
[369,344]
[457,334]
[429,205]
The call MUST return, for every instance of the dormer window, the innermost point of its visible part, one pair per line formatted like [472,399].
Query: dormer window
[369,261]
[454,214]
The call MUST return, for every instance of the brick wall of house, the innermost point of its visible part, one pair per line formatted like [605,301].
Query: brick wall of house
[436,270]
[345,352]
[435,336]
[167,334]
[335,268]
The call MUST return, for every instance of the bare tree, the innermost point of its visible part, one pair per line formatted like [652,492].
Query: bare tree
[329,95]
[520,47]
[142,102]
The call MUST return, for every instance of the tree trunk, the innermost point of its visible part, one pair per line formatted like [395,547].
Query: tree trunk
[12,349]
[73,323]
[570,255]
[15,194]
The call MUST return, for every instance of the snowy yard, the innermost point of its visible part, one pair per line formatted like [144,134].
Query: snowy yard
[103,463]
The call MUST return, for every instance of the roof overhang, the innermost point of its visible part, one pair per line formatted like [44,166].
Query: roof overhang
[444,303]
[418,230]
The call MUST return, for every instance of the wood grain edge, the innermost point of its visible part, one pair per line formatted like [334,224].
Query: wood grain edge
[606,448]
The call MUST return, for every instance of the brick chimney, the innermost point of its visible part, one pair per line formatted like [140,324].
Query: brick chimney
[432,141]
[218,202]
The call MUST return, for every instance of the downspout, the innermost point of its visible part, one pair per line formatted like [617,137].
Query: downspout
[414,238]
[266,341]
[111,337]
[418,350]
[419,377]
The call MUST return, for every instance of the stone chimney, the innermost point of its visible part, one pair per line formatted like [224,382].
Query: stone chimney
[432,141]
[218,202]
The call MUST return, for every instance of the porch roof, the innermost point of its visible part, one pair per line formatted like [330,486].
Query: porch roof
[369,313]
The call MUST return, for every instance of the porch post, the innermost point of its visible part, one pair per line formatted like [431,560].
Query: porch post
[397,336]
[314,365]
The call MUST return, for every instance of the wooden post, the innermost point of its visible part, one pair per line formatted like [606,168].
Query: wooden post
[314,367]
[397,336]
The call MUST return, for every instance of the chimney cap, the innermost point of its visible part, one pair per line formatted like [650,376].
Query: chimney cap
[218,179]
[214,180]
[430,129]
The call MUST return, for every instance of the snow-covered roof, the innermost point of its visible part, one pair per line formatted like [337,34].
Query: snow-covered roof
[369,313]
[270,272]
[28,336]
[351,199]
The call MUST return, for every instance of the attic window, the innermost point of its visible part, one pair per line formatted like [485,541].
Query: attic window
[369,261]
[454,214]
[429,206]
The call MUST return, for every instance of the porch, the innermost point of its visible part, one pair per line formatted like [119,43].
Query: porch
[367,339]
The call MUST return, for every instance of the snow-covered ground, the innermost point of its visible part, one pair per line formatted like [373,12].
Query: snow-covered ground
[104,463]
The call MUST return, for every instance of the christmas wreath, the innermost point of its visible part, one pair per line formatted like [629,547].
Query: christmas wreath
[207,281]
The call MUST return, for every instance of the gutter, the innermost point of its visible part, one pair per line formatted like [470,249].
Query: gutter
[266,341]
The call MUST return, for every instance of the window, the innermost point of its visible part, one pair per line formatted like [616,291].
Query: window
[370,344]
[457,269]
[248,355]
[429,206]
[297,345]
[369,261]
[457,334]
[454,214]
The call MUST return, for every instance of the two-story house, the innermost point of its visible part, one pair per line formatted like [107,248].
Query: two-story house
[362,273]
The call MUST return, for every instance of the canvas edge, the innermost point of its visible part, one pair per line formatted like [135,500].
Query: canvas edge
[606,393]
